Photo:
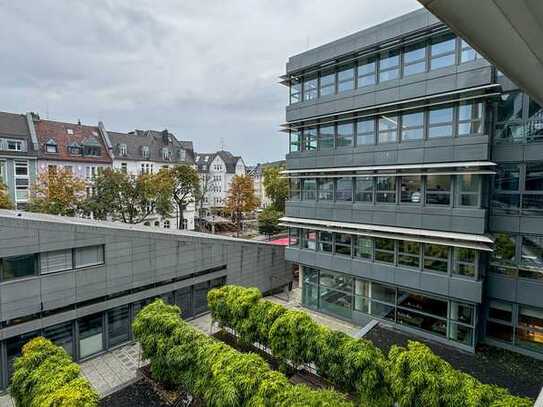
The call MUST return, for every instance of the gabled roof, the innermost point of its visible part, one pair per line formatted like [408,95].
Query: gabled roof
[15,126]
[156,141]
[203,160]
[69,135]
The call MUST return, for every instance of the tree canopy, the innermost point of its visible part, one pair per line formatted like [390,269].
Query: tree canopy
[185,186]
[268,221]
[241,199]
[5,201]
[276,187]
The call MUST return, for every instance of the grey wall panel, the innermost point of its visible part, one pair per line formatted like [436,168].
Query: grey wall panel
[19,298]
[58,290]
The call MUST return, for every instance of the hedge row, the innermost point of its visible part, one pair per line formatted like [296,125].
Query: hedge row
[412,376]
[207,368]
[45,376]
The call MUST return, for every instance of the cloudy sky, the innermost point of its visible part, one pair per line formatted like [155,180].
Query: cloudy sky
[205,69]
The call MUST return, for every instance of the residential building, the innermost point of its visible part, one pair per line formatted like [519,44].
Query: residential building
[81,282]
[78,148]
[217,170]
[416,178]
[148,151]
[257,173]
[18,156]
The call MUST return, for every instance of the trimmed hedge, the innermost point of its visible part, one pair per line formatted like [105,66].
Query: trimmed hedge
[45,376]
[412,377]
[183,356]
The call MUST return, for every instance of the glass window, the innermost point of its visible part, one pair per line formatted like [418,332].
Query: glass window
[409,253]
[326,189]
[89,256]
[388,129]
[345,135]
[293,237]
[501,311]
[389,65]
[325,243]
[438,189]
[535,111]
[90,335]
[470,117]
[510,106]
[410,189]
[383,311]
[18,267]
[468,189]
[345,77]
[461,312]
[14,346]
[58,260]
[412,126]
[384,250]
[414,59]
[343,244]
[467,53]
[465,261]
[461,333]
[534,176]
[364,189]
[532,252]
[507,177]
[534,127]
[436,257]
[499,331]
[61,335]
[336,302]
[295,187]
[530,328]
[310,87]
[118,325]
[310,295]
[365,132]
[327,82]
[504,248]
[344,189]
[309,189]
[309,139]
[385,189]
[363,247]
[295,141]
[311,275]
[440,122]
[419,302]
[383,293]
[326,137]
[442,51]
[367,73]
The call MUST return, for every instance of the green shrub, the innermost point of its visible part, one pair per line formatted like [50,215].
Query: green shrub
[183,356]
[45,376]
[418,377]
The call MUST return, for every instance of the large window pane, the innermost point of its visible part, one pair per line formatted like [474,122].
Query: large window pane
[325,243]
[344,189]
[295,90]
[310,295]
[383,293]
[389,66]
[532,252]
[510,106]
[384,250]
[118,325]
[293,237]
[326,189]
[58,260]
[504,248]
[501,311]
[438,189]
[345,78]
[436,257]
[461,312]
[468,190]
[499,331]
[460,333]
[440,122]
[388,129]
[365,132]
[410,189]
[442,51]
[345,135]
[409,253]
[199,301]
[89,256]
[17,267]
[310,239]
[363,247]
[310,87]
[465,261]
[335,302]
[470,118]
[343,244]
[386,189]
[364,189]
[183,299]
[427,323]
[295,188]
[309,189]
[414,59]
[534,176]
[507,177]
[337,281]
[530,328]
[367,73]
[327,83]
[467,53]
[90,335]
[295,141]
[309,140]
[61,335]
[412,126]
[326,137]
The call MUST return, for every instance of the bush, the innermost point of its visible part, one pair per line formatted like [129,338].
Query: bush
[45,376]
[419,377]
[183,356]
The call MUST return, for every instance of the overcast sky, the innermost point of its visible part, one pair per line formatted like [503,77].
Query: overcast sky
[206,70]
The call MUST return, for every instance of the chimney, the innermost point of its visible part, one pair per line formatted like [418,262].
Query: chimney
[79,122]
[165,136]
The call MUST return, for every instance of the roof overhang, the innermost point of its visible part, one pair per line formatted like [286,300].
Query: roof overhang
[478,242]
[507,33]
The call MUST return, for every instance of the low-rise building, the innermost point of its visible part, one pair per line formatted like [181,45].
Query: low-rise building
[148,151]
[18,156]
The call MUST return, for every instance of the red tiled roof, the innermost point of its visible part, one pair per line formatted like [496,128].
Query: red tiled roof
[50,130]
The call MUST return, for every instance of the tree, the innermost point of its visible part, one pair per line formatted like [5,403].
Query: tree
[241,199]
[57,192]
[268,221]
[130,198]
[276,187]
[5,201]
[185,184]
[200,196]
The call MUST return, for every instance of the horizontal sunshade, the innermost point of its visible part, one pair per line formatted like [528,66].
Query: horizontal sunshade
[465,164]
[480,242]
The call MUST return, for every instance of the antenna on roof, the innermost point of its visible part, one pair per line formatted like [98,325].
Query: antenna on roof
[222,143]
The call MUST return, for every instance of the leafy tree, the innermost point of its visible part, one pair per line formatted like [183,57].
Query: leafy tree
[57,192]
[185,184]
[276,187]
[5,201]
[129,198]
[241,199]
[200,196]
[268,221]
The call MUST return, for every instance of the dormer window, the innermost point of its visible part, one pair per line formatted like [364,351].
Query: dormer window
[123,149]
[74,149]
[91,147]
[165,154]
[70,132]
[145,152]
[51,146]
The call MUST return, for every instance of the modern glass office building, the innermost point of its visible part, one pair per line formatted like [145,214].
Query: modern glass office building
[416,186]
